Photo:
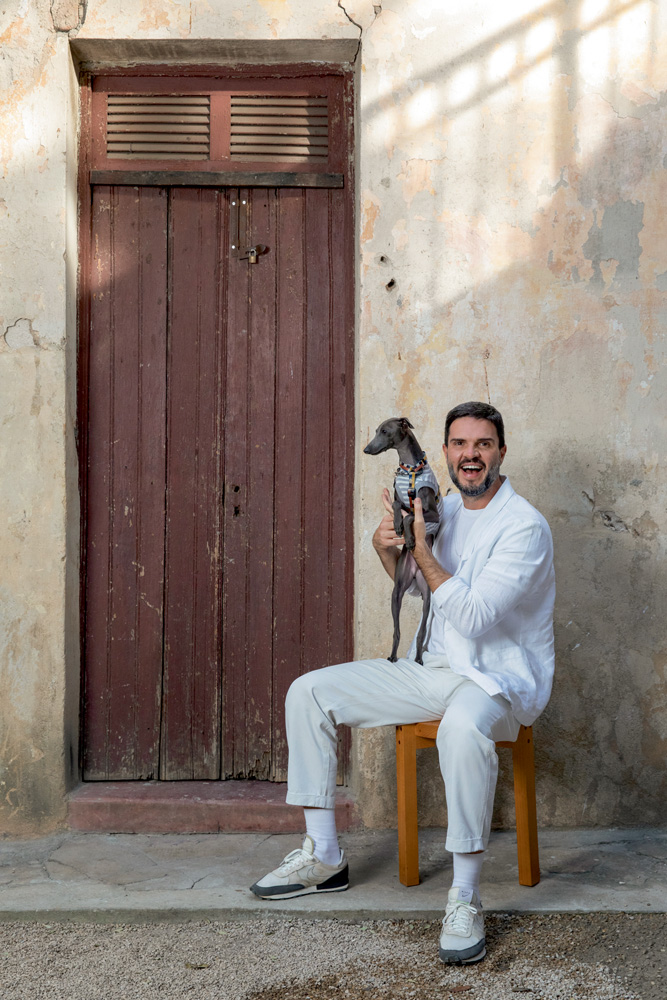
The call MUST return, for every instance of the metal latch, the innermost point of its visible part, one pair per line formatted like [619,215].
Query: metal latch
[238,230]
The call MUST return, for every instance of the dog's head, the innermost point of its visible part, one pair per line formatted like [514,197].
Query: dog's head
[389,434]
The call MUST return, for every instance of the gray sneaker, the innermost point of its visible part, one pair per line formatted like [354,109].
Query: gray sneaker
[462,940]
[300,873]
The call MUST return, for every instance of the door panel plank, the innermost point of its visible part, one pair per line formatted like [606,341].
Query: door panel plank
[289,436]
[260,512]
[192,641]
[125,512]
[237,598]
[341,432]
[317,500]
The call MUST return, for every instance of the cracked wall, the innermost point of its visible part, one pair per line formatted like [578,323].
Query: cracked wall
[512,173]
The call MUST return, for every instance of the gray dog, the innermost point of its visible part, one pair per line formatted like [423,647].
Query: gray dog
[414,478]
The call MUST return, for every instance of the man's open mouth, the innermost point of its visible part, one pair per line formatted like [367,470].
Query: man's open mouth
[471,469]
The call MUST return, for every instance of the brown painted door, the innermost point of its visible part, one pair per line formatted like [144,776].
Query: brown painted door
[219,474]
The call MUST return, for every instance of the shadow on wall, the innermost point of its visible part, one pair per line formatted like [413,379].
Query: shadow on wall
[564,337]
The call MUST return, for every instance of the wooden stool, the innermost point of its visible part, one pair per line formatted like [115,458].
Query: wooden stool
[423,734]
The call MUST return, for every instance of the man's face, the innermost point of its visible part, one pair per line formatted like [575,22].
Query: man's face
[473,455]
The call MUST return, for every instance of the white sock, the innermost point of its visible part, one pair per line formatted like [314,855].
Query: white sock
[321,826]
[467,871]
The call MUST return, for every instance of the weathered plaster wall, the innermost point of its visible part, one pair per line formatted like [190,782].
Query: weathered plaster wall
[512,183]
[35,420]
[512,173]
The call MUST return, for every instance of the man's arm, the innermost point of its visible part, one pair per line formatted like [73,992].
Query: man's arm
[434,574]
[519,563]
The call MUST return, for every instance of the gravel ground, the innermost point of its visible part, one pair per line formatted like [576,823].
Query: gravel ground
[556,957]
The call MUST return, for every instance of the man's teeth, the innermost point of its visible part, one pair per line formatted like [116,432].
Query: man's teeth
[472,468]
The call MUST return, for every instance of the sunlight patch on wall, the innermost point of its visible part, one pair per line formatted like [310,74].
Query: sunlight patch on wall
[595,56]
[501,63]
[421,108]
[540,39]
[463,86]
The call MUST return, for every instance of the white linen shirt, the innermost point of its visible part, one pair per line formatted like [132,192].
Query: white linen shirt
[494,618]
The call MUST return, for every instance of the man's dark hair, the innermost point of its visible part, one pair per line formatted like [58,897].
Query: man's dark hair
[480,411]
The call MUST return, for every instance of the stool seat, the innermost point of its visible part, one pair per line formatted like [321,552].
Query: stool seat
[409,738]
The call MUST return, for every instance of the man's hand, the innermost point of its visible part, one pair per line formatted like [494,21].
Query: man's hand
[385,539]
[434,574]
[419,526]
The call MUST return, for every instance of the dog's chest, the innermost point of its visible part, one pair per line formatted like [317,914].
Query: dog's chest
[408,483]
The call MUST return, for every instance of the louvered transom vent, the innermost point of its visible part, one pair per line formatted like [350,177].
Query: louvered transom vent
[147,127]
[279,128]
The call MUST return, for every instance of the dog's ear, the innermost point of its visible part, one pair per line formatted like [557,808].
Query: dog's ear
[405,423]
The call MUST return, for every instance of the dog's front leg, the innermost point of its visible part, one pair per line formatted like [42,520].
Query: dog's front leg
[398,515]
[429,505]
[409,531]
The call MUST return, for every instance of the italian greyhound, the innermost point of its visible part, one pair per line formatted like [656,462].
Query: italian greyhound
[414,478]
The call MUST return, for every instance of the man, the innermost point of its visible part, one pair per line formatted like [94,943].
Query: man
[487,668]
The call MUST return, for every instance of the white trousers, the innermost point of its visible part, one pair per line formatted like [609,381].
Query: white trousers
[368,693]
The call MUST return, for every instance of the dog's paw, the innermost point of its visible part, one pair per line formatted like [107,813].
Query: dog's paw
[392,659]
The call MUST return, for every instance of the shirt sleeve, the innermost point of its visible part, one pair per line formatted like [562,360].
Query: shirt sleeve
[520,560]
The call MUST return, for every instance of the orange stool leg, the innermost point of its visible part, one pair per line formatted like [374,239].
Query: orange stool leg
[523,760]
[406,788]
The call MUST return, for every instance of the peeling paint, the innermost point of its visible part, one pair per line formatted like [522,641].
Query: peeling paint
[613,246]
[68,15]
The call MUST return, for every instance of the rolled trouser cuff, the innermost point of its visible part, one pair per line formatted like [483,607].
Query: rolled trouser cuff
[310,801]
[469,846]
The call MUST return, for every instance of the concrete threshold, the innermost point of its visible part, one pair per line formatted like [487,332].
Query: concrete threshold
[125,878]
[192,807]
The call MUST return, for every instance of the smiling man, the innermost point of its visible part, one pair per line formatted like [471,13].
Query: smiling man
[487,668]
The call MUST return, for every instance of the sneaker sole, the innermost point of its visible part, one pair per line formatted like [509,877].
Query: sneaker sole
[310,889]
[337,882]
[454,958]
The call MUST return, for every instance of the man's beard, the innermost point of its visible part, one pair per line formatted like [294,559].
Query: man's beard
[475,491]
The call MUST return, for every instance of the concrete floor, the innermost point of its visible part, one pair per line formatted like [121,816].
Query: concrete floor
[134,878]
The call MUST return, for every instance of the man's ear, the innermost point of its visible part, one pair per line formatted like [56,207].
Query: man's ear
[503,451]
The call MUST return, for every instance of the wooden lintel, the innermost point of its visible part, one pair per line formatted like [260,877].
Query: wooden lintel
[212,178]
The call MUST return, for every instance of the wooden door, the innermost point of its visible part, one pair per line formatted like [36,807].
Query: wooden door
[219,419]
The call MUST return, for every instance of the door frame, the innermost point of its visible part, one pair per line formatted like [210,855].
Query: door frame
[291,71]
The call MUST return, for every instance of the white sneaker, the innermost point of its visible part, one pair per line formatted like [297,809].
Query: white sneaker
[462,940]
[300,873]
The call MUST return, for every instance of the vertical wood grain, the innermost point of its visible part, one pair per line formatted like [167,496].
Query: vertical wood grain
[125,484]
[192,635]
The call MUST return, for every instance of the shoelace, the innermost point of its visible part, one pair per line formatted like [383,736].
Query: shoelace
[294,860]
[458,920]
